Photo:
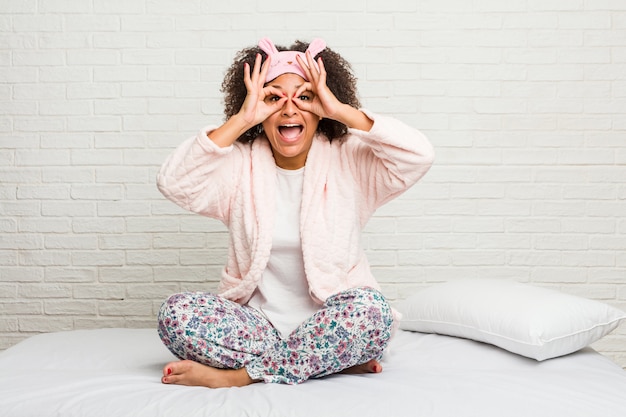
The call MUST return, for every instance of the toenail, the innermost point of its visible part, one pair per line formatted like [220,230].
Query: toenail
[169,371]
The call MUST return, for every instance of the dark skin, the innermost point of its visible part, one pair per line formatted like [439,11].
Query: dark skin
[288,98]
[196,374]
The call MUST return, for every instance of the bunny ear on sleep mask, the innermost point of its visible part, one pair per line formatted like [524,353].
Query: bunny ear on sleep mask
[284,62]
[316,46]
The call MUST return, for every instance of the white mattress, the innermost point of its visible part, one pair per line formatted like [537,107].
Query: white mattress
[115,373]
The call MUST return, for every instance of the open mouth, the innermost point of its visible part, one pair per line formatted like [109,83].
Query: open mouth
[290,131]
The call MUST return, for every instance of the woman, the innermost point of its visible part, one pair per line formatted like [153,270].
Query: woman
[295,172]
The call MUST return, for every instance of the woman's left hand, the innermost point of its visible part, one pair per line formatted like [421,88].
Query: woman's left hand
[322,102]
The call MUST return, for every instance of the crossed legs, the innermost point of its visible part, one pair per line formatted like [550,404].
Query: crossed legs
[221,343]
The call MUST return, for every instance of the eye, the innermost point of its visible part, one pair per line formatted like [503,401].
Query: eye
[273,98]
[304,97]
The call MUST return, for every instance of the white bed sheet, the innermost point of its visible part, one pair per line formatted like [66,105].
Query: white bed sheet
[115,373]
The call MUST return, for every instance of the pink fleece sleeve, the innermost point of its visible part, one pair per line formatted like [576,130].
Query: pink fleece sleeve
[198,176]
[388,159]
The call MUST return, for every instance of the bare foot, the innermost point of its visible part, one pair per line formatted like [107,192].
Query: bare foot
[370,367]
[196,374]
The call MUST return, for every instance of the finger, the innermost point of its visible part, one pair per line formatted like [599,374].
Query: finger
[272,91]
[254,70]
[277,105]
[307,106]
[304,67]
[257,64]
[272,108]
[307,86]
[249,77]
[322,69]
[264,69]
[304,106]
[311,64]
[246,76]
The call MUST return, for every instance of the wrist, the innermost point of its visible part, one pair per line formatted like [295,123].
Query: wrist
[355,118]
[230,131]
[238,124]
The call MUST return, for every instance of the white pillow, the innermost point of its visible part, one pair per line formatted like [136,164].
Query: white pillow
[535,322]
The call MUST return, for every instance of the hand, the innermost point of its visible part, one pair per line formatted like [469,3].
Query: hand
[322,101]
[261,102]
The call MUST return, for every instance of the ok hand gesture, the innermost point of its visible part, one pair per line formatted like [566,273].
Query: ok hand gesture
[323,102]
[256,107]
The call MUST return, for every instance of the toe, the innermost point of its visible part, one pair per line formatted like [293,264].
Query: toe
[376,367]
[169,368]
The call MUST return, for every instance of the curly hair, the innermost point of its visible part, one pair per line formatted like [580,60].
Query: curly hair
[340,80]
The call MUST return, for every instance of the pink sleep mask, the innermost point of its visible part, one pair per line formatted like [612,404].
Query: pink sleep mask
[285,61]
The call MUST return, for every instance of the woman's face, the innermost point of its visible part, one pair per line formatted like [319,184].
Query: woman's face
[290,130]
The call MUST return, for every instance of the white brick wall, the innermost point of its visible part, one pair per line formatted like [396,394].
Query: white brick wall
[524,100]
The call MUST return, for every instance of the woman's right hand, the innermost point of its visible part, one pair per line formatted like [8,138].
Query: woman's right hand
[261,102]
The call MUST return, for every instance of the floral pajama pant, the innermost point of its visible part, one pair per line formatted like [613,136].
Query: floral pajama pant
[351,328]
